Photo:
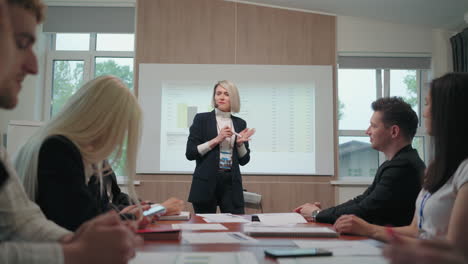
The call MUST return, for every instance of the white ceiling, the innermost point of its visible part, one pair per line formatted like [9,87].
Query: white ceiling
[445,14]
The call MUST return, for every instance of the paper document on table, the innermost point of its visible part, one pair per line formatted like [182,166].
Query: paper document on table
[342,247]
[184,215]
[199,226]
[289,231]
[223,218]
[217,238]
[281,219]
[335,260]
[194,257]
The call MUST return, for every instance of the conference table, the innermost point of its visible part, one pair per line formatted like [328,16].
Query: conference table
[166,246]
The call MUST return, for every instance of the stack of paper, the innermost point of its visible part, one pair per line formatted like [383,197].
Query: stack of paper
[218,238]
[342,247]
[335,260]
[223,218]
[287,231]
[195,257]
[199,227]
[184,215]
[281,218]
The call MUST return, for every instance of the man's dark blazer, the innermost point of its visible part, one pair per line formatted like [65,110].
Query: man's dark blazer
[203,129]
[390,200]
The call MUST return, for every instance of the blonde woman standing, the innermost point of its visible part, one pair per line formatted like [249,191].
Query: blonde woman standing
[218,141]
[57,162]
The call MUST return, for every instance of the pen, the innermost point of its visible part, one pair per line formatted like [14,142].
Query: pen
[237,236]
[233,215]
[237,134]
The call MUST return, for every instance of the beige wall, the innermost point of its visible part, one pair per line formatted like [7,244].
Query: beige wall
[219,32]
[374,36]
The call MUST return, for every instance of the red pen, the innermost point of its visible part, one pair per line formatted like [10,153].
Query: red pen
[298,210]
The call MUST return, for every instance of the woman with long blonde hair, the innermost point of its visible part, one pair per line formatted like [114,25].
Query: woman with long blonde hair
[57,162]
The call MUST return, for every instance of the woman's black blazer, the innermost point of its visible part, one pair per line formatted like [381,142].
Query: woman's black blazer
[203,129]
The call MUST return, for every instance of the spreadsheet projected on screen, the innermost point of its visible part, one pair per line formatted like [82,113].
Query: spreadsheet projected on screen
[280,102]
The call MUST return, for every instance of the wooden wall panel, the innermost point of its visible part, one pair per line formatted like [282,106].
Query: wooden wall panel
[194,31]
[220,32]
[283,37]
[279,193]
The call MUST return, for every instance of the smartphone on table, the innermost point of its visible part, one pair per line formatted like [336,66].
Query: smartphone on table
[155,210]
[297,252]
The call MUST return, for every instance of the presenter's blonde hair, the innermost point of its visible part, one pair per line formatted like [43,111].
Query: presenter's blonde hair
[98,119]
[233,95]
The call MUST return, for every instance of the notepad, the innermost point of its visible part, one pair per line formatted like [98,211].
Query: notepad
[279,231]
[281,218]
[184,215]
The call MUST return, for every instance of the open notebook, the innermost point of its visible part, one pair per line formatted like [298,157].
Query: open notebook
[290,231]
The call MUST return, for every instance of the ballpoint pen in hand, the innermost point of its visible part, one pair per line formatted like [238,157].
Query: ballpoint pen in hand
[237,134]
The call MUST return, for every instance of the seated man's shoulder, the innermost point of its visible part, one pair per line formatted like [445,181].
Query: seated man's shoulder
[408,159]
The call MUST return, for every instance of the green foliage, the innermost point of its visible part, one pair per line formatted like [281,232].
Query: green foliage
[412,99]
[111,67]
[68,77]
[341,107]
[411,89]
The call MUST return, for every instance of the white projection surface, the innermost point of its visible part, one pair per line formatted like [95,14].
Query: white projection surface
[289,106]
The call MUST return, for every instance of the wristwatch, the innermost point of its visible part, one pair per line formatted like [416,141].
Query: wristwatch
[314,214]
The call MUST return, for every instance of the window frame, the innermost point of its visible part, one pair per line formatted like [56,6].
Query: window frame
[383,90]
[88,57]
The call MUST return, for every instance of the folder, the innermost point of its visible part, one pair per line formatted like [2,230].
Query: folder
[159,234]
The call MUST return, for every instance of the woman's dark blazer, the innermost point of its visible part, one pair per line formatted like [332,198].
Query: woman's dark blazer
[63,193]
[203,129]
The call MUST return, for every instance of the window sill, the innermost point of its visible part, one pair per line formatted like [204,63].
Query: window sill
[122,180]
[353,182]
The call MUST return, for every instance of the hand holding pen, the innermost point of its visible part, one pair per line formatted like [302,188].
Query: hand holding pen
[244,135]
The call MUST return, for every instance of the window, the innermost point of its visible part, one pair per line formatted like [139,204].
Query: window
[67,78]
[121,67]
[68,41]
[74,59]
[114,42]
[359,84]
